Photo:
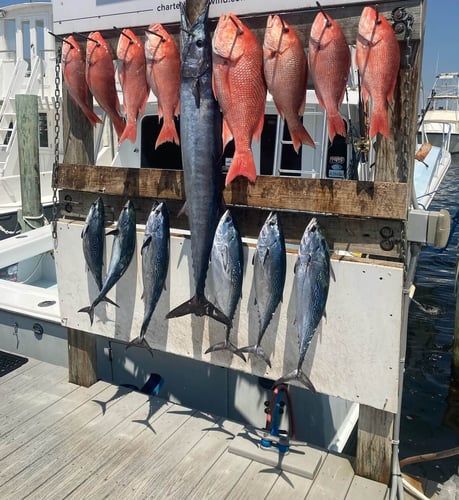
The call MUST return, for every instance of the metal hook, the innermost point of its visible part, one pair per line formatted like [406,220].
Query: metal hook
[156,34]
[324,14]
[62,39]
[121,32]
[86,38]
[238,29]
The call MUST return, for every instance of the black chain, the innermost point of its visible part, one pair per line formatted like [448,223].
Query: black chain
[57,127]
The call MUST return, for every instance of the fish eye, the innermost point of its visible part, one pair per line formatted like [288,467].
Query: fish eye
[199,43]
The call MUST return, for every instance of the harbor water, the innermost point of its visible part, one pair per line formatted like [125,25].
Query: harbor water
[430,409]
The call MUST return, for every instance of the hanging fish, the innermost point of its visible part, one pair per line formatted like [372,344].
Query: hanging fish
[378,59]
[93,236]
[163,77]
[100,77]
[200,132]
[240,89]
[122,253]
[285,67]
[155,263]
[74,77]
[310,285]
[269,270]
[226,269]
[330,63]
[133,80]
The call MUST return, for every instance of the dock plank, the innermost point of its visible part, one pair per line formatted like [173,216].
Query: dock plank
[290,487]
[48,418]
[221,477]
[362,488]
[79,468]
[96,430]
[256,482]
[16,464]
[136,458]
[333,479]
[181,480]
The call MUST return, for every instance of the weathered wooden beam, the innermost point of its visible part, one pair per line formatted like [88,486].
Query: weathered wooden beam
[374,444]
[29,163]
[350,198]
[82,358]
[79,147]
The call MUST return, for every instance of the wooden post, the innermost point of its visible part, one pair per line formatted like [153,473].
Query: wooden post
[79,148]
[374,444]
[29,165]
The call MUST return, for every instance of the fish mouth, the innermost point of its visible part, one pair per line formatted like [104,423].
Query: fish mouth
[271,20]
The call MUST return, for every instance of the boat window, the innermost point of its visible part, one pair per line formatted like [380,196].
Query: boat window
[25,26]
[10,32]
[167,155]
[43,129]
[40,35]
[268,144]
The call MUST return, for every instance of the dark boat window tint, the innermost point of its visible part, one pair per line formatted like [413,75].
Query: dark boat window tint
[167,156]
[43,129]
[268,144]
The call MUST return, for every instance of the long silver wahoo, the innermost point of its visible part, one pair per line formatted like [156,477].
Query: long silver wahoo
[200,136]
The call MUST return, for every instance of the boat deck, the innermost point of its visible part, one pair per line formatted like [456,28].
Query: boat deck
[62,440]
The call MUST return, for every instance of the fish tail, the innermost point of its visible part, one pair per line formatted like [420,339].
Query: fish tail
[335,124]
[379,121]
[119,125]
[90,311]
[256,350]
[129,132]
[140,341]
[168,133]
[242,164]
[299,375]
[92,117]
[110,301]
[301,136]
[199,306]
[226,346]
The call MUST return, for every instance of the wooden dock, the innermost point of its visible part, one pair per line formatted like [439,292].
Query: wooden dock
[63,440]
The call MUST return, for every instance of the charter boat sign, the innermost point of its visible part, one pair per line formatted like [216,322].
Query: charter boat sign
[90,15]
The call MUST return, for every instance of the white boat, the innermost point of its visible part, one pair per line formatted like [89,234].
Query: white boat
[442,107]
[27,62]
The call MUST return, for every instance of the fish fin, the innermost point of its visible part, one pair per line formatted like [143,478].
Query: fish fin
[92,117]
[226,346]
[332,273]
[199,306]
[119,124]
[146,243]
[110,301]
[256,350]
[379,122]
[177,109]
[90,311]
[300,136]
[259,129]
[140,341]
[242,164]
[183,210]
[129,132]
[299,375]
[335,125]
[113,232]
[227,135]
[168,133]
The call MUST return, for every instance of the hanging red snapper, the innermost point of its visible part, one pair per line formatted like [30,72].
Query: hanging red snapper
[100,76]
[329,63]
[378,60]
[132,76]
[163,77]
[240,90]
[74,77]
[286,72]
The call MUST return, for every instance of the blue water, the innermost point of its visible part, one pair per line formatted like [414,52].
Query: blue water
[430,409]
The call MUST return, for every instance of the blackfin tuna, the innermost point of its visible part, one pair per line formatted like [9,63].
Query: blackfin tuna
[93,237]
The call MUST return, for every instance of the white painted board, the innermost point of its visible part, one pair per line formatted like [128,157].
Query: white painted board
[90,15]
[354,354]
